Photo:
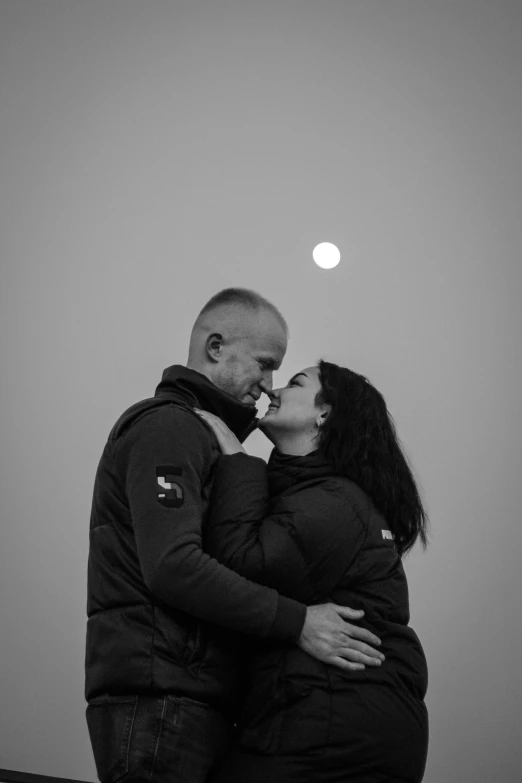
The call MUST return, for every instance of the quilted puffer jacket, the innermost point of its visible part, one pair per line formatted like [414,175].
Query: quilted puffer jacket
[298,528]
[164,616]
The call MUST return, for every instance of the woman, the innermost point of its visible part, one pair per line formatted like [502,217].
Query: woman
[328,519]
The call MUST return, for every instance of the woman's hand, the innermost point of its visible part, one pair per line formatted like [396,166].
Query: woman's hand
[228,442]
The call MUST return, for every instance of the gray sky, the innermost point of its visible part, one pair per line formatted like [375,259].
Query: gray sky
[154,153]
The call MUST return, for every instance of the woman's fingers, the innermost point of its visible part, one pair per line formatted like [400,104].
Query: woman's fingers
[227,441]
[204,414]
[208,418]
[214,421]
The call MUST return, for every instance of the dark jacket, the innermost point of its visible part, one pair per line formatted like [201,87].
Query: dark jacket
[317,537]
[163,616]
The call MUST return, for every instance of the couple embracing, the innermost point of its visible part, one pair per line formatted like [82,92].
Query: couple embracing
[247,621]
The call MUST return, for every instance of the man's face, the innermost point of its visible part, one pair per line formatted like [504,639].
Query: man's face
[247,364]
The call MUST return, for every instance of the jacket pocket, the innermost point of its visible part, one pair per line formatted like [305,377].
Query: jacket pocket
[177,636]
[193,646]
[110,720]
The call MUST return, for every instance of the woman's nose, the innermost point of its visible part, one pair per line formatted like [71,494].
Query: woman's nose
[274,394]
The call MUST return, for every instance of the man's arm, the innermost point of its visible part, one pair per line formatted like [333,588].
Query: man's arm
[165,458]
[167,515]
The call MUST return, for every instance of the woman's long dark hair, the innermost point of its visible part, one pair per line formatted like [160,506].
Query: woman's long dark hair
[360,441]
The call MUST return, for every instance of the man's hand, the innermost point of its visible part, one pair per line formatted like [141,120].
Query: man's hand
[327,637]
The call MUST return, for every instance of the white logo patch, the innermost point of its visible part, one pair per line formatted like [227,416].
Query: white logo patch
[164,484]
[387,534]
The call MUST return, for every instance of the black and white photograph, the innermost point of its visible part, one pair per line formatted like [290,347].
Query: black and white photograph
[261,405]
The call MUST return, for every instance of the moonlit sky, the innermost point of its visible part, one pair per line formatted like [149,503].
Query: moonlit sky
[153,153]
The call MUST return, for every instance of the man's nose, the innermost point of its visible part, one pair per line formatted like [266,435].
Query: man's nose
[265,384]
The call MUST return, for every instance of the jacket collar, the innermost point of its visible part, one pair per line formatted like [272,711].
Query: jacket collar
[192,387]
[287,470]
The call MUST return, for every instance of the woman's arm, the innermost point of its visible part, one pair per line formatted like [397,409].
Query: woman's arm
[241,509]
[301,546]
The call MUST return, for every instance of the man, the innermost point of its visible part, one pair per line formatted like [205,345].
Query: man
[166,622]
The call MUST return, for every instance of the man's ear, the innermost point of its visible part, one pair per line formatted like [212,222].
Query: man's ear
[213,345]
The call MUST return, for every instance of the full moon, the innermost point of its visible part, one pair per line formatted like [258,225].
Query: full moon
[326,255]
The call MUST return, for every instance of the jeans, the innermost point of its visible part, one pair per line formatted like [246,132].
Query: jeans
[156,739]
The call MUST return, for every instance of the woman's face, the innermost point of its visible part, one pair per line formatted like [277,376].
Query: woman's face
[293,408]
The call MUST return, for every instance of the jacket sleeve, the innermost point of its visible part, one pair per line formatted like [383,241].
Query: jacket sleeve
[302,546]
[166,459]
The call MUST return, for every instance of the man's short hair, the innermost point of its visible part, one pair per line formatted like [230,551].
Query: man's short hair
[244,297]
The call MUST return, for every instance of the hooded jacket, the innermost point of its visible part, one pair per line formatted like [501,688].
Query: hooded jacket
[163,616]
[297,527]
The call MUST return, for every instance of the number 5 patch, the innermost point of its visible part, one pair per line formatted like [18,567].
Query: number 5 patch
[172,495]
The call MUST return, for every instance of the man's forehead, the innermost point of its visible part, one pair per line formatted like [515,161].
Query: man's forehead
[270,347]
[265,325]
[264,335]
[267,346]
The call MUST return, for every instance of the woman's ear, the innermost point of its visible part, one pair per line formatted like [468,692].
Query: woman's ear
[213,345]
[320,420]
